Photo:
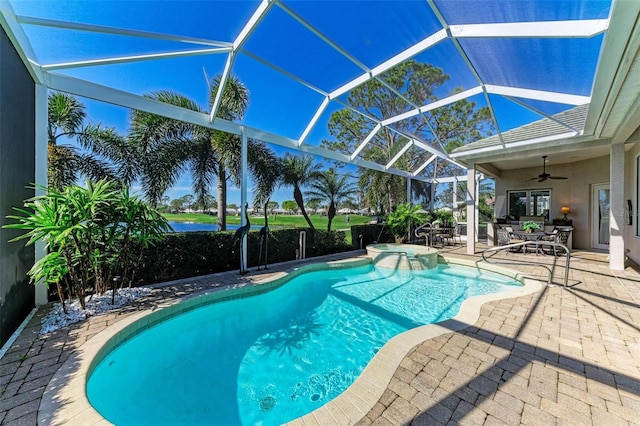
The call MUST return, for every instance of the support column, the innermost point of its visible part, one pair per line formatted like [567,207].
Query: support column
[243,194]
[410,201]
[476,207]
[41,123]
[617,208]
[454,200]
[433,195]
[471,208]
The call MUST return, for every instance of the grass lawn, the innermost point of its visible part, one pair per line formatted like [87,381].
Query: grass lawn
[279,221]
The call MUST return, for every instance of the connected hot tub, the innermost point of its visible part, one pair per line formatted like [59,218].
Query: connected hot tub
[403,256]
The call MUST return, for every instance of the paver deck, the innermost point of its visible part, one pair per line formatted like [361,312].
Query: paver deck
[560,356]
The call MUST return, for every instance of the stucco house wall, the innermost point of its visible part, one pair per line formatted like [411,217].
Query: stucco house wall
[574,192]
[631,239]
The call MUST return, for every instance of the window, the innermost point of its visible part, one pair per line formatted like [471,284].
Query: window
[529,203]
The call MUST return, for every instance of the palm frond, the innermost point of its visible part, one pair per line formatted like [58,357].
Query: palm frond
[265,170]
[65,113]
[235,98]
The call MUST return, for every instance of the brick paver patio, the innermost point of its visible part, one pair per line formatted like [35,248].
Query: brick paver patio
[560,356]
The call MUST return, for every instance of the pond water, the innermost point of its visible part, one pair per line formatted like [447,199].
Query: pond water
[194,227]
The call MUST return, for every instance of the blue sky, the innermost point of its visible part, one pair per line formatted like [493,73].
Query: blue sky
[372,32]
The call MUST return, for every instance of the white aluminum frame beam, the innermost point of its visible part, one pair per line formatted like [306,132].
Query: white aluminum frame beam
[428,148]
[244,161]
[423,166]
[547,29]
[437,104]
[539,95]
[41,175]
[43,22]
[470,65]
[399,154]
[564,29]
[20,41]
[253,22]
[385,66]
[314,120]
[91,90]
[449,179]
[366,141]
[136,58]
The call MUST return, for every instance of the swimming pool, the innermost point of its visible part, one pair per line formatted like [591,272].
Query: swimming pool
[315,335]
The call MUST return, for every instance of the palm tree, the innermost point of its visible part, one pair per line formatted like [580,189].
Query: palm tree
[164,147]
[331,188]
[168,147]
[66,163]
[298,171]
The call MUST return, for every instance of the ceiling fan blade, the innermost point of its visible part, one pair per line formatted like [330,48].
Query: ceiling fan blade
[542,179]
[557,177]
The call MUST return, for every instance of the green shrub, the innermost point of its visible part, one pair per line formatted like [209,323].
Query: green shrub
[92,233]
[444,217]
[403,218]
[371,234]
[190,254]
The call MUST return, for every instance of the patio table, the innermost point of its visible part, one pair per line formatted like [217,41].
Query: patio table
[529,236]
[441,233]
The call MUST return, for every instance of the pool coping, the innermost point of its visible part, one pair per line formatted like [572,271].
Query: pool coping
[65,400]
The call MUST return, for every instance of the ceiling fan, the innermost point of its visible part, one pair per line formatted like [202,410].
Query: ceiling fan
[544,175]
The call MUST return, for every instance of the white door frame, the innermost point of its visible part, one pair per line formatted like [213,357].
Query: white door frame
[598,228]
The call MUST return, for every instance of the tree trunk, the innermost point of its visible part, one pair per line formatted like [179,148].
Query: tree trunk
[222,199]
[389,197]
[297,195]
[331,213]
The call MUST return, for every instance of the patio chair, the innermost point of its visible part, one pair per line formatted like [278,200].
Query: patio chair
[559,236]
[550,236]
[439,234]
[456,234]
[504,238]
[448,235]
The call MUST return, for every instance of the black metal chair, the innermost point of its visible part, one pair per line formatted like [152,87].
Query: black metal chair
[504,238]
[560,236]
[457,234]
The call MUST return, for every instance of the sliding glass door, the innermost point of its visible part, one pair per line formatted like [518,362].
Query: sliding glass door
[600,203]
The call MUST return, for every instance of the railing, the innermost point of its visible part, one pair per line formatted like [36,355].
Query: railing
[424,230]
[537,245]
[302,244]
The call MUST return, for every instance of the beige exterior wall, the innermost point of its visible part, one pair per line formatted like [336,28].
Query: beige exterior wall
[631,240]
[574,192]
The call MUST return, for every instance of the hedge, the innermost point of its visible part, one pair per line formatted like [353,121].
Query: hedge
[190,254]
[370,234]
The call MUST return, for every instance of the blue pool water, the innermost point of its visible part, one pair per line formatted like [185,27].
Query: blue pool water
[270,358]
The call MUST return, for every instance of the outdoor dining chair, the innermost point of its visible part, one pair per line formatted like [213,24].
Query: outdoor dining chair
[504,238]
[560,236]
